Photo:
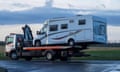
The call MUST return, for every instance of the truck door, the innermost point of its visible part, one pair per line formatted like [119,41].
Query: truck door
[10,44]
[19,42]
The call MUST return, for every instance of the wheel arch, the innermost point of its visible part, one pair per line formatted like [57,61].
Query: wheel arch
[12,51]
[46,51]
[11,55]
[70,39]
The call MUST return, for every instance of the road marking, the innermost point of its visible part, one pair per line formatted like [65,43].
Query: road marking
[113,68]
[110,68]
[116,69]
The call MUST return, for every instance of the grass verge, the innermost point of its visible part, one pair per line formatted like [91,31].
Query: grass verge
[2,53]
[101,54]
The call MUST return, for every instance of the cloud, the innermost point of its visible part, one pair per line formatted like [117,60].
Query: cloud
[112,16]
[6,29]
[20,5]
[113,33]
[37,11]
[40,14]
[113,20]
[35,15]
[17,5]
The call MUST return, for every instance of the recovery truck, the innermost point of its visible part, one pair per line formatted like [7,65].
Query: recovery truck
[20,46]
[84,30]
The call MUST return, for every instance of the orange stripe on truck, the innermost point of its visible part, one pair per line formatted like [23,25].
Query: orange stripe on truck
[44,48]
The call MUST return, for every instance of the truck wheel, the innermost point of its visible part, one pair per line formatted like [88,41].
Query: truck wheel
[14,56]
[28,58]
[49,56]
[37,43]
[71,42]
[64,56]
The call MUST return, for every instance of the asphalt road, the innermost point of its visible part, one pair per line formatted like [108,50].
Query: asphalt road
[72,66]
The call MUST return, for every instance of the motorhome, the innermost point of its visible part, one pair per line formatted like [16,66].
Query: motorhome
[73,30]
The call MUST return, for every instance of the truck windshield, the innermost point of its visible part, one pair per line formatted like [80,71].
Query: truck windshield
[9,40]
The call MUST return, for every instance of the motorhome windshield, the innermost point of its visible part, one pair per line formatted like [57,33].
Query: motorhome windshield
[44,28]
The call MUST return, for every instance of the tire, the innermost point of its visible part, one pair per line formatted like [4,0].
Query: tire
[49,56]
[71,42]
[37,43]
[14,56]
[64,56]
[28,58]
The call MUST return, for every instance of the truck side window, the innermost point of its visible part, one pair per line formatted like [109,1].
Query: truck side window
[82,22]
[53,27]
[64,26]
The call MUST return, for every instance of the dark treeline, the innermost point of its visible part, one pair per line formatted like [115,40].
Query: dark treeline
[107,45]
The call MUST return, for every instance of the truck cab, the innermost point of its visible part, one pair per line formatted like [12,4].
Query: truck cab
[12,42]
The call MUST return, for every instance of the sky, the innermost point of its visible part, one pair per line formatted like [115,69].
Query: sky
[20,12]
[14,28]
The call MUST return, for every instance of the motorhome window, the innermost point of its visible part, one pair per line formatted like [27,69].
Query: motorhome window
[9,40]
[82,22]
[53,27]
[64,26]
[102,30]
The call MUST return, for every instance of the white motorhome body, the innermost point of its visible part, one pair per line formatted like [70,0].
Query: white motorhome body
[78,29]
